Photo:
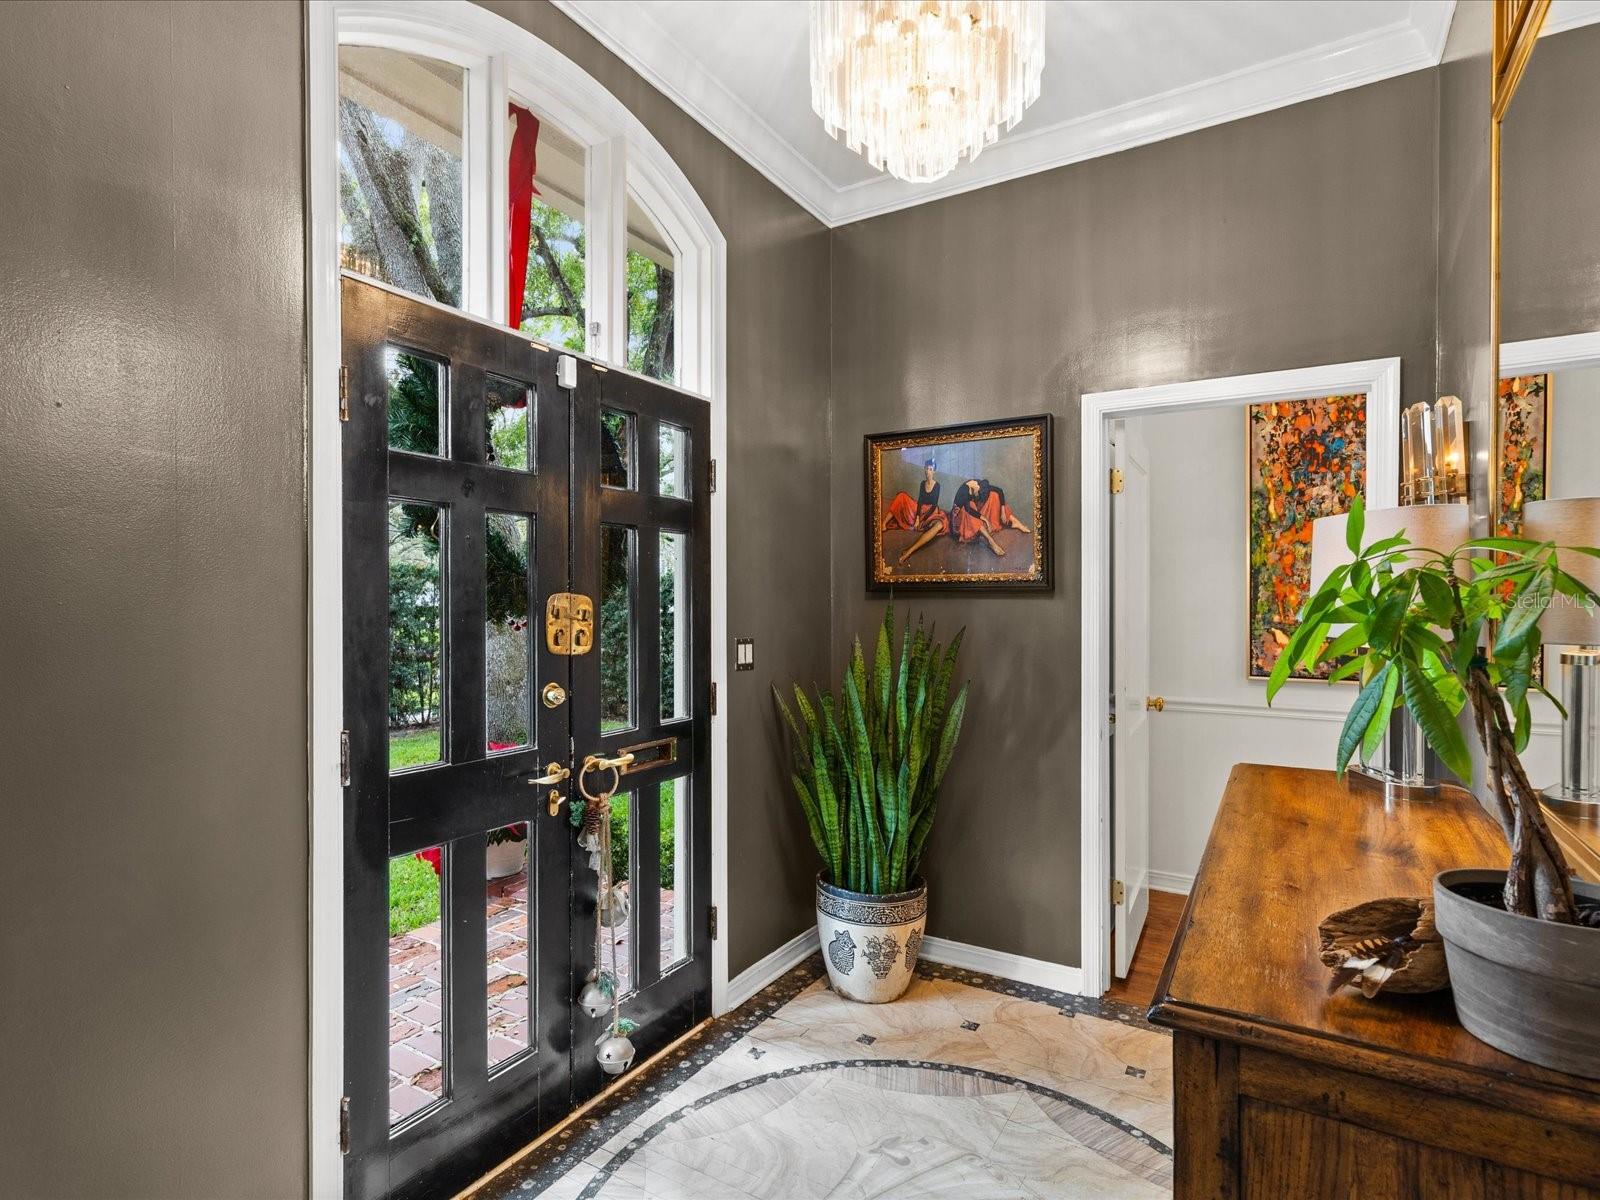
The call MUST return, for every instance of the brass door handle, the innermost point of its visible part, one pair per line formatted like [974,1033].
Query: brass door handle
[1155,703]
[553,694]
[596,762]
[553,773]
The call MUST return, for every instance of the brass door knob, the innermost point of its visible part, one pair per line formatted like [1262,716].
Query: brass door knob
[1155,703]
[553,694]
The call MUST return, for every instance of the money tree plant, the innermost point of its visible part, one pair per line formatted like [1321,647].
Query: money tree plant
[1414,625]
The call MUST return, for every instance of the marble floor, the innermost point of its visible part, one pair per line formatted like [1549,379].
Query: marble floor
[969,1086]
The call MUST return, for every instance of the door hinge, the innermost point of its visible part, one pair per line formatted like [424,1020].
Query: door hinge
[1117,891]
[711,476]
[344,392]
[711,923]
[1116,481]
[344,758]
[344,1124]
[713,699]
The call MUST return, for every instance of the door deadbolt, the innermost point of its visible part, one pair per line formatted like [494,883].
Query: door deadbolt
[554,695]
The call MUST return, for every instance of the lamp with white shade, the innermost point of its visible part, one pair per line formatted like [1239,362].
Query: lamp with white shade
[1575,626]
[1404,765]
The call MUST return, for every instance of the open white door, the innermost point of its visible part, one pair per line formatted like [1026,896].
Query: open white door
[1130,682]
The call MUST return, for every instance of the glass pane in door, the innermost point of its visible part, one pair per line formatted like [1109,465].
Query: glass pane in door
[508,710]
[416,635]
[674,598]
[672,800]
[416,982]
[508,424]
[673,478]
[506,929]
[616,627]
[616,916]
[418,401]
[401,119]
[616,449]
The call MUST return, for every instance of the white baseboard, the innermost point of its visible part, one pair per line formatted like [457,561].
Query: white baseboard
[1169,881]
[766,969]
[1056,976]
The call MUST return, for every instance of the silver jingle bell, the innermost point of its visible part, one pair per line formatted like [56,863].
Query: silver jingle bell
[615,1055]
[593,999]
[615,907]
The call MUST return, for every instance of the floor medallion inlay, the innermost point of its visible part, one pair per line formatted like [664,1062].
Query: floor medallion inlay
[968,1086]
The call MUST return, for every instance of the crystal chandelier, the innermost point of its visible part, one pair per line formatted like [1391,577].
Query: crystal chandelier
[912,85]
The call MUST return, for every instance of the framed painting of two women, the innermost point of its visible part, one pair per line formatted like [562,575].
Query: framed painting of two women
[963,506]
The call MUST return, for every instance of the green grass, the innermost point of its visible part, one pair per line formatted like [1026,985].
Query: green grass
[413,748]
[413,894]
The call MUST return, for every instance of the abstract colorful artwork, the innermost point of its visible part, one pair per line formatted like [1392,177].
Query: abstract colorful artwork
[1305,459]
[1524,448]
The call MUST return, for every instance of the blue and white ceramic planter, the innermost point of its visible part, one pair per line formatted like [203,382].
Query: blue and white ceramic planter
[870,943]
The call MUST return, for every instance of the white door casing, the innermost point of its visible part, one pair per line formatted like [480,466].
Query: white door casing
[1378,379]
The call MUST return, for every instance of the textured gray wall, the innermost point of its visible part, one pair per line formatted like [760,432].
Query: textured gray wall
[777,477]
[152,601]
[1550,192]
[1300,236]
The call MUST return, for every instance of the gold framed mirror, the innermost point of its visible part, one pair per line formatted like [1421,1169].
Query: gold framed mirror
[1517,24]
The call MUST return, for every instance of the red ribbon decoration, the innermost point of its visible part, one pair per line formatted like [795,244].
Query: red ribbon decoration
[524,163]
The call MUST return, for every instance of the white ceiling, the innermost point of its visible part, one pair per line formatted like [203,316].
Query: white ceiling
[1118,73]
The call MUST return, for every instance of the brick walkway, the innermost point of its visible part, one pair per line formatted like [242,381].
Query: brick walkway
[416,990]
[416,997]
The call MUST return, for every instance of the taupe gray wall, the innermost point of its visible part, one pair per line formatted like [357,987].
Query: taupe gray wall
[153,589]
[152,601]
[1297,237]
[776,476]
[1550,192]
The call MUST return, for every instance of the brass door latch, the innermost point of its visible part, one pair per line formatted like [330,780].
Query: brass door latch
[1155,703]
[569,624]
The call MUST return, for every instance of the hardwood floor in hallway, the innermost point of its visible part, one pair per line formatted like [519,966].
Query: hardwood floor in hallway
[1155,942]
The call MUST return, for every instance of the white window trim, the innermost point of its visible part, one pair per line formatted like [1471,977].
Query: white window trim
[1378,378]
[503,60]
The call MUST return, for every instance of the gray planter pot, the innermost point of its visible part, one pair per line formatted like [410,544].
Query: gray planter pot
[870,943]
[1530,988]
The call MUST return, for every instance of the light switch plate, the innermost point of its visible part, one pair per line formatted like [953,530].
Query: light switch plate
[744,654]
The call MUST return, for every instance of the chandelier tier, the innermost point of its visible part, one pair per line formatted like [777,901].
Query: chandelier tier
[912,85]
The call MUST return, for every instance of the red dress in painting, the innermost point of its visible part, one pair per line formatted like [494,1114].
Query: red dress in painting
[971,510]
[922,513]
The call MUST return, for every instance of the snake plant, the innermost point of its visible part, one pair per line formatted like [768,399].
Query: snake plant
[867,764]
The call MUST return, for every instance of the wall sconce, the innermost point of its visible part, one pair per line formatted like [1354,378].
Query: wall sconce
[1433,453]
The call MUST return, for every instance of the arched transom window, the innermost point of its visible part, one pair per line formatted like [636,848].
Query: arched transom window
[509,185]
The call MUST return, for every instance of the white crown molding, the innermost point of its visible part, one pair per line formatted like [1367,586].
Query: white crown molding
[626,28]
[1570,14]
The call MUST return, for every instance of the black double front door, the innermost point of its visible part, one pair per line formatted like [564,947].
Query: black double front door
[526,585]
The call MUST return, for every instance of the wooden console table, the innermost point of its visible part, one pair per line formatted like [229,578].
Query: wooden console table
[1283,1091]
